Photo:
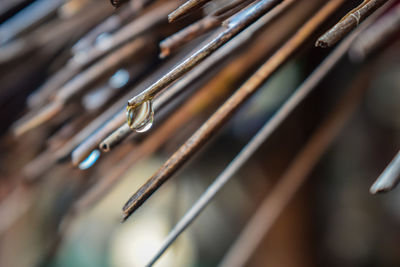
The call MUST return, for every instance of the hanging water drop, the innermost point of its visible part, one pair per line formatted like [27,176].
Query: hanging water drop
[140,118]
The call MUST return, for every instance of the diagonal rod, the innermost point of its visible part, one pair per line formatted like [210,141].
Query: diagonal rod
[295,176]
[235,24]
[226,111]
[389,179]
[303,91]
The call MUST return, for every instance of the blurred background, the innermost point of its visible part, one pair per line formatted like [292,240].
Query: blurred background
[68,68]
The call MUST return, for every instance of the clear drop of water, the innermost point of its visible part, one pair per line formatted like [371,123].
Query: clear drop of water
[140,118]
[90,160]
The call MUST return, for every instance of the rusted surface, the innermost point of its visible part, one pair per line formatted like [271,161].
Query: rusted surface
[377,35]
[235,24]
[349,22]
[233,46]
[200,27]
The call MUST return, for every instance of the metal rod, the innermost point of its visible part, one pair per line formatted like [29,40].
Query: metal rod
[221,54]
[294,177]
[227,110]
[349,22]
[297,97]
[206,24]
[376,35]
[186,8]
[283,112]
[235,24]
[79,83]
[389,178]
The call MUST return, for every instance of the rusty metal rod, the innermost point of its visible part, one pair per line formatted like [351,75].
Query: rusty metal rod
[79,83]
[348,23]
[283,112]
[376,35]
[235,24]
[294,177]
[227,110]
[241,39]
[206,24]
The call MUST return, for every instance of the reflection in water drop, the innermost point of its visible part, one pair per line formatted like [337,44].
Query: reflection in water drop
[90,160]
[140,118]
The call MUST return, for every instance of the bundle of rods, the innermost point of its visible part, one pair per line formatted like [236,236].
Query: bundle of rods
[90,88]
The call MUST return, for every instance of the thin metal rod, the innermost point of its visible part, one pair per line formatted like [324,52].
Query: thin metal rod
[85,148]
[206,24]
[221,54]
[215,91]
[30,15]
[376,35]
[217,120]
[186,8]
[389,179]
[212,93]
[115,112]
[79,83]
[155,16]
[348,23]
[235,24]
[250,148]
[297,97]
[294,177]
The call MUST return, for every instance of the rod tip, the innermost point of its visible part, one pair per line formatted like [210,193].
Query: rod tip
[115,3]
[124,217]
[165,52]
[171,18]
[321,43]
[378,188]
[104,147]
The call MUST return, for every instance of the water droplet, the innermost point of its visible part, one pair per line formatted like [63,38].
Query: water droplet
[90,160]
[140,118]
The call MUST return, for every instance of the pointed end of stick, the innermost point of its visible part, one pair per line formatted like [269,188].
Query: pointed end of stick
[132,205]
[172,17]
[378,188]
[165,52]
[124,217]
[321,43]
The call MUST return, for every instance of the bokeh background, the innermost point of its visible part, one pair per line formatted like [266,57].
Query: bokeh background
[332,220]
